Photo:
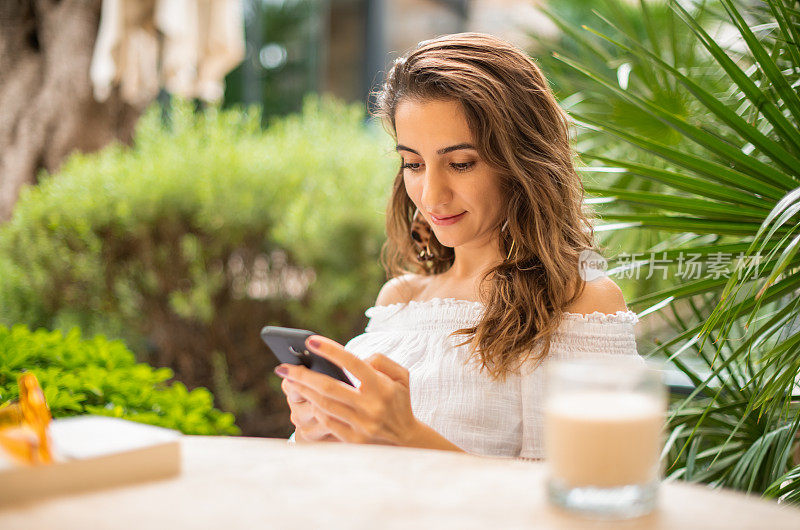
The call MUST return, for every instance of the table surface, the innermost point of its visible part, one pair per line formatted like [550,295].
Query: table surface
[235,482]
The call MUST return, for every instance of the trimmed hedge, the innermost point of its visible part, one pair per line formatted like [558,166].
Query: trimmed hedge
[208,228]
[98,376]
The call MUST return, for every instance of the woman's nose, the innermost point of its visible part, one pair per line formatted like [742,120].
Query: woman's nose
[435,190]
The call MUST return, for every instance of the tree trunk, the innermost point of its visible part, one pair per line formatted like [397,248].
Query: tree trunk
[47,108]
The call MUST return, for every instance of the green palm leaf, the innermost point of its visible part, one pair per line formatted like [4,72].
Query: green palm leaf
[683,182]
[726,115]
[699,146]
[689,205]
[768,66]
[788,132]
[711,170]
[705,139]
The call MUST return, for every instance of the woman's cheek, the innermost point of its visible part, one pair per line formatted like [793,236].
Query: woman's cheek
[412,189]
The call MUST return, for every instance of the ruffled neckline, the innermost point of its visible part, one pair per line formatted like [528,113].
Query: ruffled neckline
[466,312]
[440,302]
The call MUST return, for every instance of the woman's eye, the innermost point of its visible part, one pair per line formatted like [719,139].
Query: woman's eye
[462,166]
[457,166]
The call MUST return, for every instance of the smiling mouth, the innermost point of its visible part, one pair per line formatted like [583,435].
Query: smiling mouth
[448,219]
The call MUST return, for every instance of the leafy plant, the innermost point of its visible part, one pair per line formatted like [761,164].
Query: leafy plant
[657,27]
[716,437]
[102,377]
[735,192]
[207,229]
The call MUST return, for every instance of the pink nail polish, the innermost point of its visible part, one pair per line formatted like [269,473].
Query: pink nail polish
[281,370]
[314,343]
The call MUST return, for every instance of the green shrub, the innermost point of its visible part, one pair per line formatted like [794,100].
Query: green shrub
[97,376]
[208,228]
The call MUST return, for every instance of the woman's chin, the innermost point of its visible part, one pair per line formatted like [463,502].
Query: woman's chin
[454,240]
[447,241]
[451,242]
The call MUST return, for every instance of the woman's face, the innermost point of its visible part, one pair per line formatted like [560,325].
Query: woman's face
[454,189]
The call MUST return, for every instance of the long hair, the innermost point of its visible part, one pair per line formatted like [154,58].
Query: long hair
[522,133]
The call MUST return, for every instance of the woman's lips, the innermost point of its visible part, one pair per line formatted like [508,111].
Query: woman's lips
[444,221]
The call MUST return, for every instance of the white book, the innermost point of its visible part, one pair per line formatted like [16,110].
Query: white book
[94,452]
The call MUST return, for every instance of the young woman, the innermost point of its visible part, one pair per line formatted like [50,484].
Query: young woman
[485,228]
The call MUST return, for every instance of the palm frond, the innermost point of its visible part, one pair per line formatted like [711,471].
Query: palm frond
[718,173]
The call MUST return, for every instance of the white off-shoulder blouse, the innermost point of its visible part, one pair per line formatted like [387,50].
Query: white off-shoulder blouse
[478,414]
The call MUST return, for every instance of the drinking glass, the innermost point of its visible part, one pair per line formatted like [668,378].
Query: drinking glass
[604,423]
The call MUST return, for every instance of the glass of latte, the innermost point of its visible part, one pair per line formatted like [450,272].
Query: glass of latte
[604,426]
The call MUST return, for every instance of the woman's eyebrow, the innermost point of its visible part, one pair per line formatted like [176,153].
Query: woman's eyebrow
[441,151]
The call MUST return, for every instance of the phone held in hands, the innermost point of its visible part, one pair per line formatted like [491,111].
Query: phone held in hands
[289,346]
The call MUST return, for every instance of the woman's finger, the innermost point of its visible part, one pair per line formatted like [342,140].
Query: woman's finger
[314,431]
[321,383]
[292,395]
[300,414]
[335,353]
[387,366]
[341,430]
[331,407]
[318,430]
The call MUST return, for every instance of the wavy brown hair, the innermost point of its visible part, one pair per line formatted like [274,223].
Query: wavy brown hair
[521,132]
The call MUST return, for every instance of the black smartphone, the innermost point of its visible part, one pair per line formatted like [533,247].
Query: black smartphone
[289,346]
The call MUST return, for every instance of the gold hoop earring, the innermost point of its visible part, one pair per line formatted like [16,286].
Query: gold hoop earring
[511,248]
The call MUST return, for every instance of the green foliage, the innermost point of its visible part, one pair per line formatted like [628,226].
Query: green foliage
[730,185]
[654,25]
[658,28]
[97,376]
[716,436]
[203,231]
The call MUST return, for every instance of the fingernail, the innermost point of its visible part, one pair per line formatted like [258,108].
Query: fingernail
[281,370]
[314,343]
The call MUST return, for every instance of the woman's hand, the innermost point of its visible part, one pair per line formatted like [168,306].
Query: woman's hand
[303,416]
[379,411]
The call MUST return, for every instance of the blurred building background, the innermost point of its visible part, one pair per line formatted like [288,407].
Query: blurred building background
[84,84]
[343,47]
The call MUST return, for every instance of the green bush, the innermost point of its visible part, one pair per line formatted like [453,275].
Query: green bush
[97,376]
[208,228]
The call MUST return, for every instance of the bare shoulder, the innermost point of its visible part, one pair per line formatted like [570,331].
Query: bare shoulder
[601,295]
[399,290]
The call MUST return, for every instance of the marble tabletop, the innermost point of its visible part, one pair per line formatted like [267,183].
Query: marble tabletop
[238,482]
